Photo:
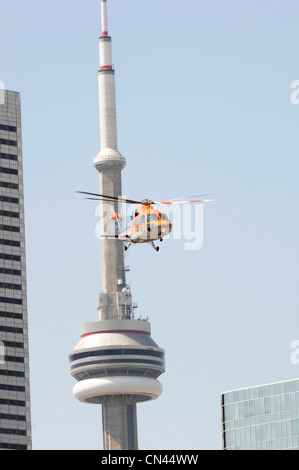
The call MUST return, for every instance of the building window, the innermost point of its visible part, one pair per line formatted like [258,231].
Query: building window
[9,243]
[7,156]
[12,388]
[9,300]
[130,424]
[12,373]
[14,215]
[8,171]
[6,445]
[9,256]
[117,352]
[11,200]
[13,344]
[7,401]
[12,272]
[5,127]
[14,359]
[12,417]
[11,329]
[9,228]
[5,184]
[8,285]
[16,432]
[12,143]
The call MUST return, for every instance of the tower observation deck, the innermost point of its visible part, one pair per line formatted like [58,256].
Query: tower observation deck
[116,362]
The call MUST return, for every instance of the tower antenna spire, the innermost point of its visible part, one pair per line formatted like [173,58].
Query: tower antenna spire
[104,18]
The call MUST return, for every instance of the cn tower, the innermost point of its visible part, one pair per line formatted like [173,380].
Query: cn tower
[116,362]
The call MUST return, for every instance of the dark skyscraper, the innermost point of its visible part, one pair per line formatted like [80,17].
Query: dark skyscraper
[15,423]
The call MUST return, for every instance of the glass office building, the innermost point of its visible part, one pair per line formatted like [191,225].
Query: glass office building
[264,417]
[15,426]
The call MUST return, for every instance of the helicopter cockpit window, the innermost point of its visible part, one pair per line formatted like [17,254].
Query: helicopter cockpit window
[163,217]
[151,217]
[142,221]
[136,221]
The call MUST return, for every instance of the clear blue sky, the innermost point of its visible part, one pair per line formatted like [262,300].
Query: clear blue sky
[203,103]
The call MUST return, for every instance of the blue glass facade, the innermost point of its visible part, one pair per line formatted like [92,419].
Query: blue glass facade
[265,417]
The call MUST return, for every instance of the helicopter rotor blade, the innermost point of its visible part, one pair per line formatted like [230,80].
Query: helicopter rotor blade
[104,197]
[184,200]
[190,200]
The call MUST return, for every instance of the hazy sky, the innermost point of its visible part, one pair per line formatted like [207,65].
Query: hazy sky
[203,104]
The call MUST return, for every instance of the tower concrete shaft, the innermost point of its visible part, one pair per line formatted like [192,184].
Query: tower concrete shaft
[120,423]
[109,162]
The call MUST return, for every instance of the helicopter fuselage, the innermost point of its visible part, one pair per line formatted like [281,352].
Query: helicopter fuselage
[147,225]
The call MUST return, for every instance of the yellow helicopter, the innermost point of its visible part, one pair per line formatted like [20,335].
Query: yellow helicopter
[147,224]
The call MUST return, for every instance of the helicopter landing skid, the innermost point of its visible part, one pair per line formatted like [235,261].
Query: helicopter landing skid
[126,247]
[155,247]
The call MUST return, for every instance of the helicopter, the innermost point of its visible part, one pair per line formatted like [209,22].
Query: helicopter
[147,224]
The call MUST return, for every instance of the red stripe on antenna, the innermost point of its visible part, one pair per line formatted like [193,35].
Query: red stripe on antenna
[106,67]
[105,33]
